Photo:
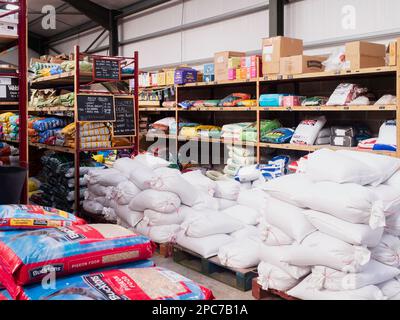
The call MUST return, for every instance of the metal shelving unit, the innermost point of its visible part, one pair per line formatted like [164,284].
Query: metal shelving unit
[256,85]
[77,79]
[19,41]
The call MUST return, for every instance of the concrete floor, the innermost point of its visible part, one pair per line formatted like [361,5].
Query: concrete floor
[220,290]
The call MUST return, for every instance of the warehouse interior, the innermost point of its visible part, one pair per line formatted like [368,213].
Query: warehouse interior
[199,150]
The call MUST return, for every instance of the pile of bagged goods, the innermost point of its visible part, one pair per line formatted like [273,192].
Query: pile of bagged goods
[329,231]
[88,262]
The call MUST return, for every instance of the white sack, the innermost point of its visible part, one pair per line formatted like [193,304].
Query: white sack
[288,218]
[200,181]
[319,249]
[129,217]
[304,291]
[275,255]
[125,165]
[271,277]
[391,289]
[256,199]
[154,218]
[152,162]
[109,214]
[207,247]
[161,201]
[107,177]
[172,181]
[99,190]
[246,232]
[248,216]
[210,223]
[357,234]
[204,202]
[227,189]
[273,236]
[125,192]
[349,202]
[373,273]
[248,174]
[393,225]
[141,176]
[93,207]
[289,188]
[394,181]
[239,254]
[390,197]
[225,203]
[388,251]
[384,166]
[158,234]
[332,166]
[307,131]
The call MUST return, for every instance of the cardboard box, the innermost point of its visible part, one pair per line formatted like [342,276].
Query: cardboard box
[392,53]
[185,75]
[273,49]
[221,61]
[208,78]
[362,54]
[301,64]
[234,62]
[161,78]
[169,76]
[209,69]
[231,74]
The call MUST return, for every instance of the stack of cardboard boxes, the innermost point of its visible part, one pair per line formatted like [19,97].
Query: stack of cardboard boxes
[230,65]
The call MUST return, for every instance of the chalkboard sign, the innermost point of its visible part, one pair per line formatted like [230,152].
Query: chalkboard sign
[125,124]
[106,69]
[96,108]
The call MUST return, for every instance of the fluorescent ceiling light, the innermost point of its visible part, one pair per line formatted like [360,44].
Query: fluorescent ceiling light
[12,7]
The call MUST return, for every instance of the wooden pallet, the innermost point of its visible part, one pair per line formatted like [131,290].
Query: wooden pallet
[164,249]
[212,267]
[260,294]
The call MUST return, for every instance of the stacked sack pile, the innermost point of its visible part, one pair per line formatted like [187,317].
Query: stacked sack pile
[239,157]
[47,129]
[198,213]
[9,123]
[332,232]
[9,155]
[48,244]
[57,188]
[92,135]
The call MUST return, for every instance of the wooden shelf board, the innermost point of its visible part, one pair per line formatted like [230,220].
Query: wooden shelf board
[217,83]
[105,149]
[147,109]
[342,73]
[332,108]
[54,148]
[9,103]
[51,109]
[9,141]
[315,148]
[218,109]
[66,78]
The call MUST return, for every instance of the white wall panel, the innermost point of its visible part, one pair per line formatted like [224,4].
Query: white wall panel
[315,21]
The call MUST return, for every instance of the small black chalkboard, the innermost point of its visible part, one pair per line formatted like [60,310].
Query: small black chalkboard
[125,124]
[96,108]
[106,69]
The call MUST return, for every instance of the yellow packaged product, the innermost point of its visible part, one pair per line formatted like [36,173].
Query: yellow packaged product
[95,132]
[4,117]
[93,145]
[247,103]
[95,138]
[189,132]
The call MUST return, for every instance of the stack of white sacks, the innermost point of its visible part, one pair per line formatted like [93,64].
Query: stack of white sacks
[145,195]
[333,232]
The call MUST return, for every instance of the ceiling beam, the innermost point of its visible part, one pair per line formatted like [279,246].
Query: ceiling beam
[92,10]
[126,11]
[139,6]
